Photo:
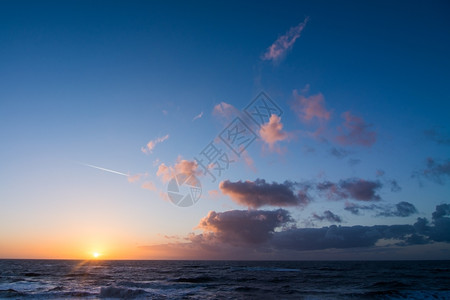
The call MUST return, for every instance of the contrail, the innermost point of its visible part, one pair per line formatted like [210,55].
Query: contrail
[107,170]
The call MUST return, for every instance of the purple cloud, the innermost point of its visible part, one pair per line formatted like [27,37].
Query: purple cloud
[255,194]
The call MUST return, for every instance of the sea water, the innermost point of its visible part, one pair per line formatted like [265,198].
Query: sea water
[94,279]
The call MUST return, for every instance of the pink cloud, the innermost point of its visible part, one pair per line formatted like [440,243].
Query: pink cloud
[224,110]
[181,167]
[278,49]
[355,131]
[136,177]
[312,107]
[272,132]
[152,144]
[248,160]
[149,186]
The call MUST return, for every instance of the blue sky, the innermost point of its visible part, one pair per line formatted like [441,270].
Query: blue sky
[94,82]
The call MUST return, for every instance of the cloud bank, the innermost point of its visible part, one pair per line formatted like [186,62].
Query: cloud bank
[263,233]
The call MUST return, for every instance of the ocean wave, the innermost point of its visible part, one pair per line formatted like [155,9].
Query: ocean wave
[119,292]
[267,269]
[11,293]
[198,279]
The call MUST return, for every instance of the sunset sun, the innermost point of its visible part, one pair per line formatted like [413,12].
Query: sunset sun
[96,255]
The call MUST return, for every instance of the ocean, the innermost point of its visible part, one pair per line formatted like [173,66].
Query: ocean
[98,279]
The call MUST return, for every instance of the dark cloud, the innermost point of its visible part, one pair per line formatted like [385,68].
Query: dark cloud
[259,193]
[328,216]
[355,208]
[442,210]
[256,228]
[395,187]
[261,234]
[353,161]
[437,171]
[339,153]
[438,136]
[242,227]
[301,239]
[255,194]
[402,209]
[353,188]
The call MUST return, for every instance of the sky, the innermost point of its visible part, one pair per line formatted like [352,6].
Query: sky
[315,130]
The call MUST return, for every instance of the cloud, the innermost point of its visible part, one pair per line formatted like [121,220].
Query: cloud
[272,132]
[353,188]
[242,227]
[353,161]
[437,136]
[136,177]
[328,216]
[248,160]
[149,186]
[401,209]
[278,49]
[224,110]
[310,108]
[258,193]
[181,167]
[355,131]
[198,116]
[437,171]
[442,210]
[262,234]
[339,153]
[152,144]
[395,187]
[380,173]
[355,208]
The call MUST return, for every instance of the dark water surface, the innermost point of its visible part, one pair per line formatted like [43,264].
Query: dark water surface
[63,279]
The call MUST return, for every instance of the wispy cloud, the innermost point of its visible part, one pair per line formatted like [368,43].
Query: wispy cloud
[198,116]
[136,177]
[224,110]
[438,135]
[328,216]
[355,131]
[152,144]
[149,186]
[278,49]
[436,170]
[401,209]
[310,108]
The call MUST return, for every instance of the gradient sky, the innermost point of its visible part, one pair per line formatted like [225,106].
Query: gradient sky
[141,88]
